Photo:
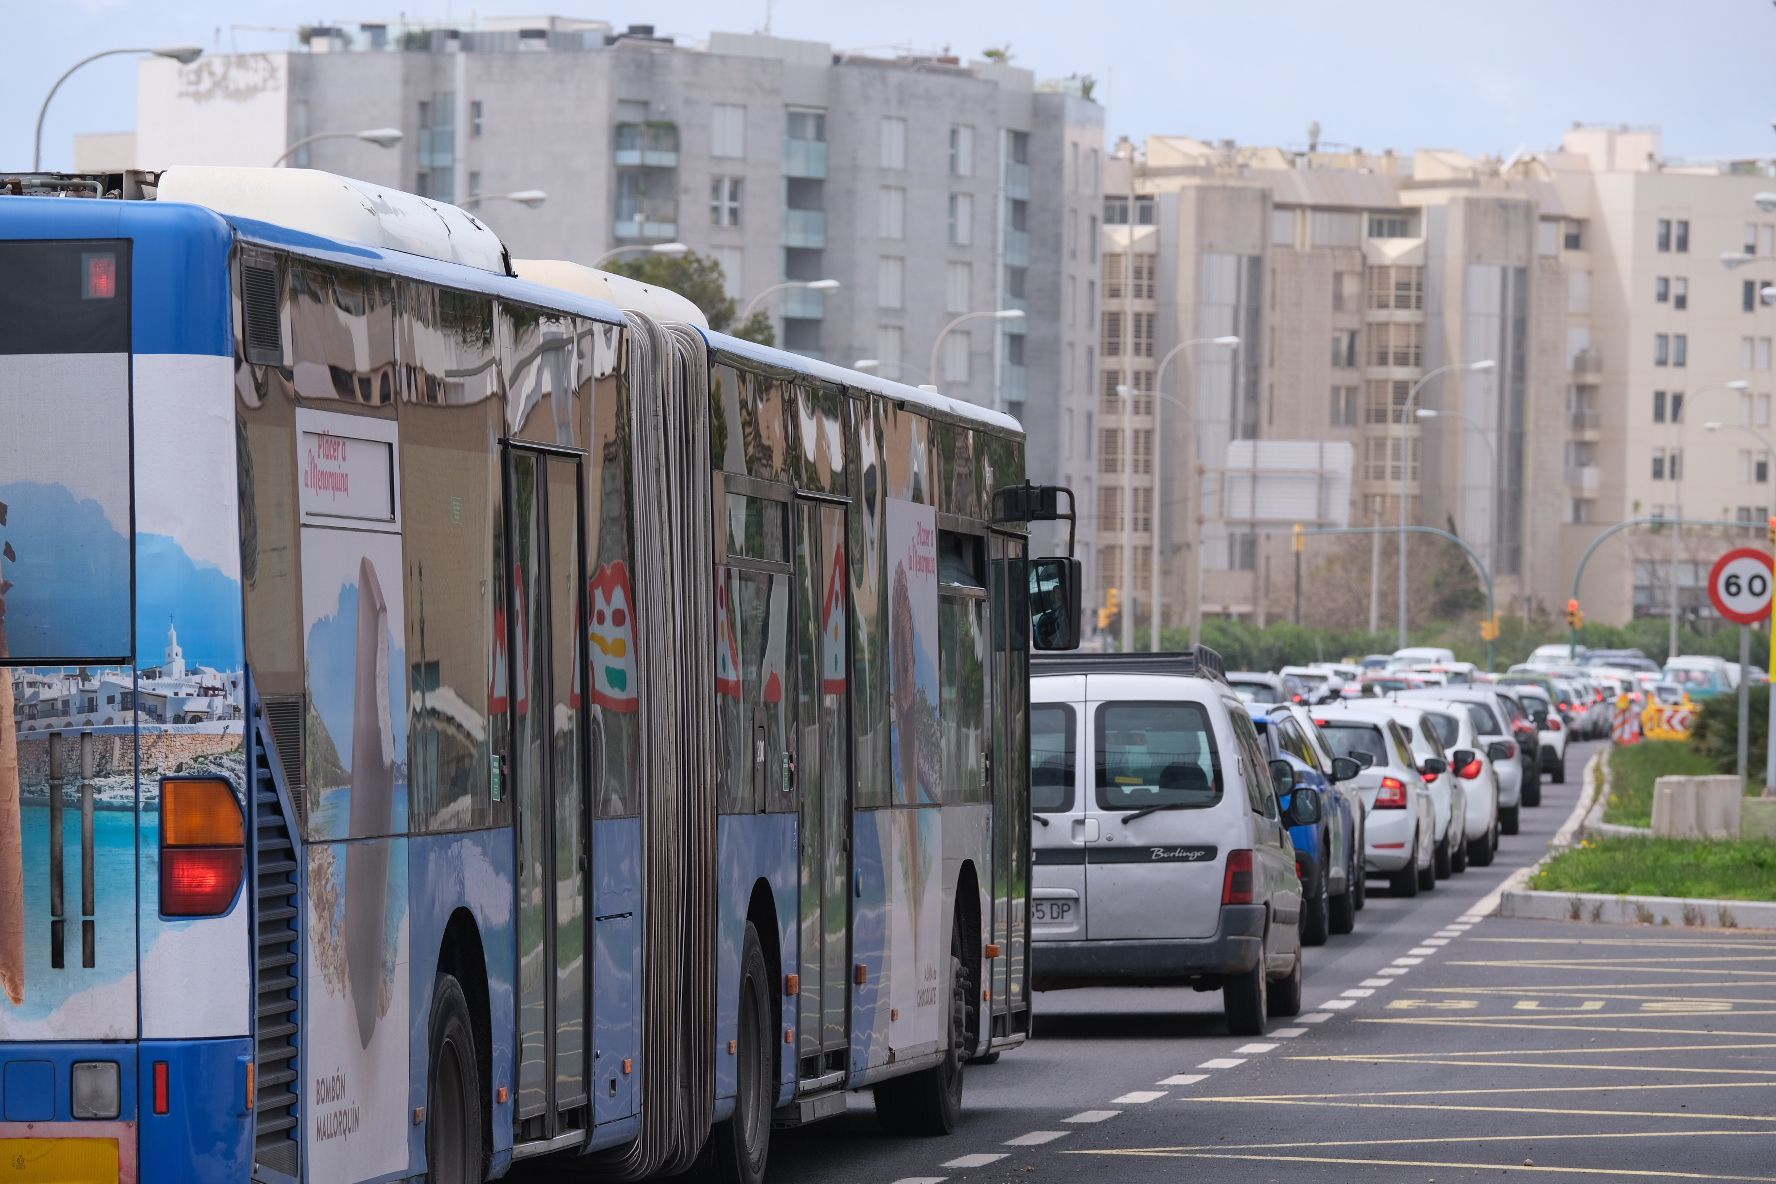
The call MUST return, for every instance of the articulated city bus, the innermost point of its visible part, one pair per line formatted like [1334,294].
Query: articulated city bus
[450,718]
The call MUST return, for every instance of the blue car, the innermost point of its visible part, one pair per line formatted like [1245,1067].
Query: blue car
[1328,853]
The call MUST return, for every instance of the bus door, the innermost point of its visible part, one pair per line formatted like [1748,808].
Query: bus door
[1006,976]
[823,781]
[546,579]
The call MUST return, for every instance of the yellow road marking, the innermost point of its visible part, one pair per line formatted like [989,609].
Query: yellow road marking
[1426,1059]
[1430,1163]
[1606,990]
[1557,1112]
[1637,943]
[1616,965]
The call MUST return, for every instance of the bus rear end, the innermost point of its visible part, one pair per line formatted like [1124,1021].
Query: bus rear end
[125,974]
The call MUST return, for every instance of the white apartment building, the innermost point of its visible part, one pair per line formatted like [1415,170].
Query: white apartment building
[929,188]
[1353,279]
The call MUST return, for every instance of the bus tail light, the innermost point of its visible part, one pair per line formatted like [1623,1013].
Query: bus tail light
[202,847]
[161,1100]
[1236,884]
[1392,795]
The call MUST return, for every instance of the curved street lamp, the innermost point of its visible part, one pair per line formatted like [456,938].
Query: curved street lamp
[382,137]
[1492,455]
[183,54]
[1411,401]
[666,250]
[997,314]
[530,199]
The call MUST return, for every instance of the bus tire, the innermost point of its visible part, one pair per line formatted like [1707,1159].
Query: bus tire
[742,1142]
[929,1102]
[454,1154]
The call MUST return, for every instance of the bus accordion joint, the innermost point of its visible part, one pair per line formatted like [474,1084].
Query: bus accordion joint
[202,847]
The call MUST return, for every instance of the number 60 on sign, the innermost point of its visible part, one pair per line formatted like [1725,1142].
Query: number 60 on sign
[1740,585]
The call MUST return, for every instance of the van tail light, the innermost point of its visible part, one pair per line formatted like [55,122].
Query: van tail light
[1236,884]
[1392,795]
[203,847]
[1470,770]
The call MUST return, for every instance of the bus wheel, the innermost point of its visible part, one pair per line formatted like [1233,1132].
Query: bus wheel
[929,1102]
[743,1141]
[454,1154]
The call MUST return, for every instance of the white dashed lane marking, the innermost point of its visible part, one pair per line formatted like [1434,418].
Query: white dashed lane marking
[1392,971]
[1359,992]
[1140,1097]
[1407,961]
[1436,941]
[1375,982]
[1318,1017]
[1223,1063]
[1035,1138]
[978,1160]
[1092,1116]
[1184,1079]
[1421,951]
[1286,1033]
[921,1180]
[1253,1049]
[1338,1004]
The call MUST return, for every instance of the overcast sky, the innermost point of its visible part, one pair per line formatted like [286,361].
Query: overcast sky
[1482,75]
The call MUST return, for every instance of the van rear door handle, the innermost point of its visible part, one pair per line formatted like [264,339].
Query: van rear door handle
[1085,830]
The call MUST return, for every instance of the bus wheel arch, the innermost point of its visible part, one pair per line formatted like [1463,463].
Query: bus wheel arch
[969,942]
[461,956]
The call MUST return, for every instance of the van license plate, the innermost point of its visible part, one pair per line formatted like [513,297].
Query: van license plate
[1054,912]
[58,1161]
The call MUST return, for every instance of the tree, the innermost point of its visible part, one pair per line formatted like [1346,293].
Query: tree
[699,279]
[998,53]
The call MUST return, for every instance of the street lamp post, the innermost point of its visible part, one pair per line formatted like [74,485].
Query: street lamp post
[998,314]
[1492,454]
[1126,609]
[665,250]
[1411,401]
[530,199]
[1230,342]
[812,285]
[183,54]
[382,137]
[1715,425]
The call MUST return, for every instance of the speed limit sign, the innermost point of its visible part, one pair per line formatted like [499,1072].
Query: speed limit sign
[1740,585]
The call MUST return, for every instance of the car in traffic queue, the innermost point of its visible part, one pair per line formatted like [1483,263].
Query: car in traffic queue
[1487,712]
[1468,763]
[1702,677]
[1527,739]
[1260,686]
[1323,854]
[1161,853]
[1346,799]
[1400,823]
[1449,796]
[1319,684]
[1552,733]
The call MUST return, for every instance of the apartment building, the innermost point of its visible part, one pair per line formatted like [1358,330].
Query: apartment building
[1474,332]
[927,187]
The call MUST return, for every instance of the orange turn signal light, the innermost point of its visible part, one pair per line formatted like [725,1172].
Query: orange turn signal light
[200,812]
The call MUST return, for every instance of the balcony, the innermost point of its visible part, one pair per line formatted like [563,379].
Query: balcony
[1017,179]
[649,222]
[648,145]
[1584,480]
[804,304]
[1012,387]
[804,228]
[1585,424]
[1587,367]
[804,158]
[1017,248]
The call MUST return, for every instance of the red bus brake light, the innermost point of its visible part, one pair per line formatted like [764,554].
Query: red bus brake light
[202,847]
[98,278]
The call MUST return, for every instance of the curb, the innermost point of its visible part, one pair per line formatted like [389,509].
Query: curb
[1594,823]
[1499,902]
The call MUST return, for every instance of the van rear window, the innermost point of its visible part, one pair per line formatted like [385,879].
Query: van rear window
[1156,754]
[1052,759]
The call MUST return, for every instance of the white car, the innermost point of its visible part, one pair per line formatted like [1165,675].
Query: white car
[1322,685]
[1449,795]
[1468,763]
[1491,723]
[1551,734]
[1400,816]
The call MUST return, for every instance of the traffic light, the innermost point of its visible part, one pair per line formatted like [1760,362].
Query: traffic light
[1301,536]
[1575,616]
[1112,606]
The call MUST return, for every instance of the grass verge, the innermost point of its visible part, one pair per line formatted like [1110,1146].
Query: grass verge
[1701,869]
[1634,768]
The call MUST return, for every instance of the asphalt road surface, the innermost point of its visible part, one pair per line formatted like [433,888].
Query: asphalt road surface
[1434,1046]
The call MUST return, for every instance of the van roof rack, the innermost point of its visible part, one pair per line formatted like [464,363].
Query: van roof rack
[1199,661]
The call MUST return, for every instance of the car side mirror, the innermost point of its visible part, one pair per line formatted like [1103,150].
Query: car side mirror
[1461,758]
[1344,768]
[1498,750]
[1365,760]
[1305,808]
[1054,603]
[1282,777]
[1434,766]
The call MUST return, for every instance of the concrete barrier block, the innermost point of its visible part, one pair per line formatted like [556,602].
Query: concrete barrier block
[1757,819]
[1697,807]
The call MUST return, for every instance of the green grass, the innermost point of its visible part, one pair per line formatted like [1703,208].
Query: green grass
[1700,869]
[1634,768]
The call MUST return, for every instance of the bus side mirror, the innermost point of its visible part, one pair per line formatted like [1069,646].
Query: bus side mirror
[1054,603]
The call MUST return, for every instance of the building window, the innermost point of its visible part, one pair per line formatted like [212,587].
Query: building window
[1116,211]
[961,150]
[1330,228]
[474,183]
[727,131]
[1664,234]
[1017,214]
[1092,237]
[1145,268]
[890,281]
[1390,226]
[1680,238]
[1658,406]
[1661,349]
[1014,350]
[1242,551]
[1344,349]
[1112,333]
[961,227]
[1761,357]
[1658,464]
[892,211]
[890,341]
[1574,238]
[1282,227]
[475,117]
[956,348]
[894,136]
[1680,293]
[1397,343]
[1143,323]
[958,287]
[731,260]
[1677,406]
[1680,349]
[1760,471]
[806,124]
[1344,406]
[724,200]
[1017,147]
[1662,289]
[1016,281]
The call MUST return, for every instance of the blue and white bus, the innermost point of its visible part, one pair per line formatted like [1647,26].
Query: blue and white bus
[449,717]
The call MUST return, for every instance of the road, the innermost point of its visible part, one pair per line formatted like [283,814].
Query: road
[1436,1046]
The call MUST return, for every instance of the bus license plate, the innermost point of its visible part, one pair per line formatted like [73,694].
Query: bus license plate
[1053,912]
[58,1161]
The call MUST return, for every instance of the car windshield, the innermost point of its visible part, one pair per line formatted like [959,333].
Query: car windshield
[1356,740]
[1156,754]
[1051,758]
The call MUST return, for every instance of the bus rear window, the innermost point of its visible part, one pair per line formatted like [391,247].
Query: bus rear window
[64,452]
